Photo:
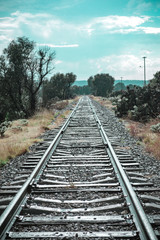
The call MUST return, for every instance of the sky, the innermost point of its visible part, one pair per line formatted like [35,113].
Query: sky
[89,36]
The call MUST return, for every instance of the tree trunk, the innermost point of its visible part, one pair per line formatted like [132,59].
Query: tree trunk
[32,104]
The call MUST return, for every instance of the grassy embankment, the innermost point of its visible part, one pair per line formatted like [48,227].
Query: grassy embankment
[142,132]
[23,133]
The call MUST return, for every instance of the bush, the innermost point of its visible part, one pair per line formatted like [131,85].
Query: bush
[155,128]
[4,126]
[139,104]
[24,122]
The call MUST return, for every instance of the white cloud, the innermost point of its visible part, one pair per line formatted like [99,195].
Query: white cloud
[58,62]
[58,46]
[8,22]
[47,26]
[138,6]
[4,38]
[39,26]
[150,30]
[110,22]
[126,66]
[146,30]
[117,24]
[124,30]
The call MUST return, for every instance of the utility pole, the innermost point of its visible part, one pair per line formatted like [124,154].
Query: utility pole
[144,71]
[121,84]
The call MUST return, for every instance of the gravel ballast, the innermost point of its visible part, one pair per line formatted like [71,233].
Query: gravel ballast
[151,166]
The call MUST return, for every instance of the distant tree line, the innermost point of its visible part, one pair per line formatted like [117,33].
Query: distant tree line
[80,90]
[98,85]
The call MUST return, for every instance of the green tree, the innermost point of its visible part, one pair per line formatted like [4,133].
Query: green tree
[69,79]
[101,84]
[119,86]
[80,90]
[91,85]
[23,69]
[155,82]
[58,86]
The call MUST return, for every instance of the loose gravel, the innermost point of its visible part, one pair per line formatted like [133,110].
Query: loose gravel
[150,165]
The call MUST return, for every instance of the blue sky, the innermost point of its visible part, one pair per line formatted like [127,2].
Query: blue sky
[89,36]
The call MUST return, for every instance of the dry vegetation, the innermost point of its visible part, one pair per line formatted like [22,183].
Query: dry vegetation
[104,101]
[144,135]
[142,132]
[23,133]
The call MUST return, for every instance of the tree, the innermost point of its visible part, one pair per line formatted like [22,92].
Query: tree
[101,84]
[119,86]
[58,86]
[91,85]
[155,82]
[16,57]
[23,69]
[80,90]
[40,65]
[69,79]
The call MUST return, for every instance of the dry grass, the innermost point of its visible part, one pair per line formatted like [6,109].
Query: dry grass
[149,139]
[19,137]
[60,104]
[104,102]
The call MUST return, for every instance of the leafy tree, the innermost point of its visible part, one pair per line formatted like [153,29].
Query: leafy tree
[131,86]
[119,86]
[23,69]
[101,84]
[69,79]
[80,90]
[91,85]
[155,82]
[58,86]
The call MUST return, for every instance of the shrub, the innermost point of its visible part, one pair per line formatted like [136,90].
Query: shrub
[24,122]
[4,126]
[3,162]
[19,114]
[140,104]
[155,128]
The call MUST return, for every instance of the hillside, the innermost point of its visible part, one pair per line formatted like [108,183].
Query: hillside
[133,82]
[80,83]
[126,82]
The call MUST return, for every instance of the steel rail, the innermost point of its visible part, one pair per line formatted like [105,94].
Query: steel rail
[142,223]
[9,215]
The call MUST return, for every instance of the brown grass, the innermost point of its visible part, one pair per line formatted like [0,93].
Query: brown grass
[60,104]
[149,139]
[19,138]
[104,102]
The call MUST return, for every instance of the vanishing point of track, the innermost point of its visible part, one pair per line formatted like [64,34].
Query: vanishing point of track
[81,185]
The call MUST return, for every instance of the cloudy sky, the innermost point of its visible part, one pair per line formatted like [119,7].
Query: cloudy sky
[89,36]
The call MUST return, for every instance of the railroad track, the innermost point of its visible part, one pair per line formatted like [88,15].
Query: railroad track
[80,184]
